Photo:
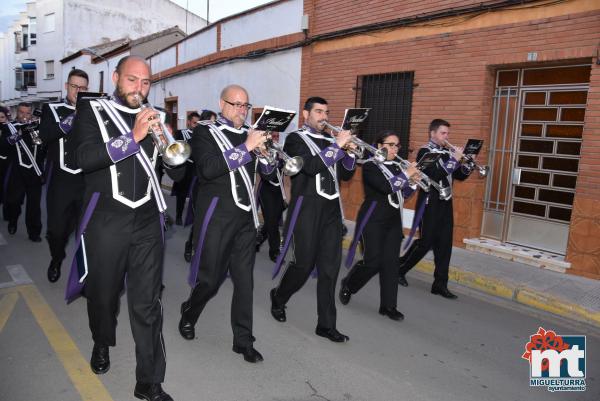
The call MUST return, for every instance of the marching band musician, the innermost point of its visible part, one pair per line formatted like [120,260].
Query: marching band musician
[4,113]
[272,199]
[433,214]
[226,217]
[121,230]
[63,177]
[379,226]
[181,188]
[314,218]
[24,173]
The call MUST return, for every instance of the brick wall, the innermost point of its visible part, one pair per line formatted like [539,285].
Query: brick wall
[454,77]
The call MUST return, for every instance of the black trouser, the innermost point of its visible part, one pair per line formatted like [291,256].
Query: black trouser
[381,239]
[272,205]
[228,246]
[3,170]
[317,241]
[127,243]
[63,204]
[436,234]
[24,183]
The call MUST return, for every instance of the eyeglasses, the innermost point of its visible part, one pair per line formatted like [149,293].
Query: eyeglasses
[246,106]
[77,87]
[392,144]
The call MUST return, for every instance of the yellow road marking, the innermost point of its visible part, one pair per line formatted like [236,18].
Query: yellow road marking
[7,304]
[86,383]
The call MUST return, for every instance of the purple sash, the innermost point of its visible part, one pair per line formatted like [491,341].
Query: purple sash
[358,233]
[416,221]
[74,287]
[195,266]
[288,236]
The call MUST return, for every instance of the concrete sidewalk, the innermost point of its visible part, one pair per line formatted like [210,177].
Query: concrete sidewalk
[565,295]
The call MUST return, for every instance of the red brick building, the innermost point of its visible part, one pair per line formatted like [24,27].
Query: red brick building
[522,75]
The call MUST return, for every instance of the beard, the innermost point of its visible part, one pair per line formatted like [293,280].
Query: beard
[128,97]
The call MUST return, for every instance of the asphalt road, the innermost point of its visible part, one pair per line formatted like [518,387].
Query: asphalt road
[466,349]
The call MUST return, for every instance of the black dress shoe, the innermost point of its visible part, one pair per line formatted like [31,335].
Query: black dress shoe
[250,354]
[12,228]
[100,361]
[344,294]
[35,238]
[331,334]
[278,312]
[402,280]
[392,313]
[187,253]
[443,292]
[186,329]
[150,392]
[53,271]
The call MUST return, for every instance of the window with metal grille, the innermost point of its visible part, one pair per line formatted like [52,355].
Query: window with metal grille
[390,98]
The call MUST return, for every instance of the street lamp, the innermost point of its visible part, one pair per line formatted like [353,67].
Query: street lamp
[101,57]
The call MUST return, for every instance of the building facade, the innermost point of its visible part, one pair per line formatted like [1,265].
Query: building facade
[524,76]
[50,30]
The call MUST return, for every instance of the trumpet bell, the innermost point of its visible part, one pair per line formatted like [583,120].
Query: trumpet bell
[381,155]
[293,166]
[176,153]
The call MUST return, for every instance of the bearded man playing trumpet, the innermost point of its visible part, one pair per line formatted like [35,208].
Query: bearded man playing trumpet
[434,209]
[314,221]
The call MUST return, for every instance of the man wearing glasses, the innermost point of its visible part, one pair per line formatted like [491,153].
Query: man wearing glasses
[226,217]
[64,179]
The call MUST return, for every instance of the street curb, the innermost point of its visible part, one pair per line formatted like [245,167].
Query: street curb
[516,293]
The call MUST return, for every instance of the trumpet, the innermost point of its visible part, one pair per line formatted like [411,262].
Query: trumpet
[173,152]
[469,161]
[423,182]
[379,155]
[291,166]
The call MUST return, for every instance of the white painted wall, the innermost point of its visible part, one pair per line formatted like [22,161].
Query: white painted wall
[88,21]
[272,80]
[49,46]
[80,24]
[93,70]
[164,60]
[279,20]
[199,45]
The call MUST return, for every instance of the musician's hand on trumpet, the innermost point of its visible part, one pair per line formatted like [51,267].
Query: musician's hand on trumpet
[413,173]
[256,139]
[343,139]
[143,122]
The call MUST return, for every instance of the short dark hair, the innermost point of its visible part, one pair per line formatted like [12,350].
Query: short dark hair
[310,102]
[192,115]
[25,104]
[383,135]
[207,115]
[75,72]
[4,110]
[437,123]
[122,62]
